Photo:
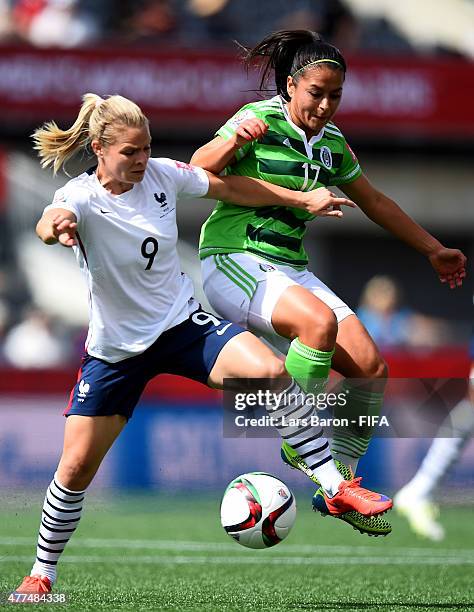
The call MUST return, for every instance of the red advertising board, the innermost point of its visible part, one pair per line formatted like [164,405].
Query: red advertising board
[196,91]
[448,362]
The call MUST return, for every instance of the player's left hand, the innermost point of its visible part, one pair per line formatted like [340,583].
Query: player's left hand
[449,265]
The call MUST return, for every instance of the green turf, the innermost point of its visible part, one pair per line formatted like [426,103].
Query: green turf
[163,553]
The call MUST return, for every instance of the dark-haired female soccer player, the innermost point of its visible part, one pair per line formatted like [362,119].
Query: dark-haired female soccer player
[120,219]
[253,261]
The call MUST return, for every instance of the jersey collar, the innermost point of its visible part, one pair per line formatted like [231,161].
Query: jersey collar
[308,144]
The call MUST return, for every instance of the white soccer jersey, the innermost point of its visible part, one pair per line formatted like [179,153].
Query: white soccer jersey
[127,251]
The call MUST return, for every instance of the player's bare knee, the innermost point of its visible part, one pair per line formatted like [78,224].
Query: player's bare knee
[76,474]
[376,368]
[269,368]
[318,328]
[381,370]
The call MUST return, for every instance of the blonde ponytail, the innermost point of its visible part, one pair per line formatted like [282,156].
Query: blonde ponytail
[97,120]
[55,146]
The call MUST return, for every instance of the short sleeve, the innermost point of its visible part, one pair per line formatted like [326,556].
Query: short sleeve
[69,199]
[228,130]
[190,181]
[349,169]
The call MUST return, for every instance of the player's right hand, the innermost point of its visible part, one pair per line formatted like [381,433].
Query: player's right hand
[249,130]
[64,230]
[322,202]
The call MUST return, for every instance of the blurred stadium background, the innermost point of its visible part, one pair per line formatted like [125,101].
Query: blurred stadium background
[407,113]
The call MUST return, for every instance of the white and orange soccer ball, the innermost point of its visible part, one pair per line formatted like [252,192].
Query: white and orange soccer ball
[258,510]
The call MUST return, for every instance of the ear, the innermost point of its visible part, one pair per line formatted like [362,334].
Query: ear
[290,86]
[97,148]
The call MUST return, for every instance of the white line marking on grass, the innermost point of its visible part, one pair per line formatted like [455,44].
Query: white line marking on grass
[182,545]
[183,560]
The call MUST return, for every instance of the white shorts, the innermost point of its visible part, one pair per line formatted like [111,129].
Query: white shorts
[245,288]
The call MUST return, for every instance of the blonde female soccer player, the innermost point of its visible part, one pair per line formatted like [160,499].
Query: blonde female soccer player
[120,219]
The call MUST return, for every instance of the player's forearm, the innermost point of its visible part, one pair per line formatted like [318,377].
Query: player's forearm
[252,192]
[215,155]
[386,213]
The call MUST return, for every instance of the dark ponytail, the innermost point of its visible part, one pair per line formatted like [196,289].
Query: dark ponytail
[287,52]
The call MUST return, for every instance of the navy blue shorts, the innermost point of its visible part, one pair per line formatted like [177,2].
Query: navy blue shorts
[189,349]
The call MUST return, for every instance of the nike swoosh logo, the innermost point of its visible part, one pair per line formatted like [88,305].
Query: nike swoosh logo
[105,212]
[219,332]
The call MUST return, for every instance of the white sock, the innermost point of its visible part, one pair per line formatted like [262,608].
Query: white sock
[61,514]
[441,455]
[444,451]
[329,477]
[307,440]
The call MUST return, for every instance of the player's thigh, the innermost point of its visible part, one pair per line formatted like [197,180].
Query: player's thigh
[304,302]
[102,400]
[231,282]
[106,389]
[356,354]
[299,313]
[245,356]
[209,349]
[87,440]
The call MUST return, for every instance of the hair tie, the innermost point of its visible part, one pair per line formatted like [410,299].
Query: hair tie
[319,61]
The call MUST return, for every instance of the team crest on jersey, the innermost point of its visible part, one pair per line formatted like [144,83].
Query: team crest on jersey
[161,199]
[164,206]
[325,156]
[266,267]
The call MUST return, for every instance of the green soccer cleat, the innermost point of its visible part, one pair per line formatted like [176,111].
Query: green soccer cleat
[371,525]
[291,458]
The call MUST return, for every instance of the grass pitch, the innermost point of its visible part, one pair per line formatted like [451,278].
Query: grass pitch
[167,553]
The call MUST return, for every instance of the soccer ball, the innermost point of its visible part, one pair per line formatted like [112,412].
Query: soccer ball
[258,510]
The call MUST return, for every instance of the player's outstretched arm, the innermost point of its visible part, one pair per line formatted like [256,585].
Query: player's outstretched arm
[449,264]
[58,225]
[247,191]
[219,153]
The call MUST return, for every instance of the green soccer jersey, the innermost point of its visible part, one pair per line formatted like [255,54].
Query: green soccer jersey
[284,156]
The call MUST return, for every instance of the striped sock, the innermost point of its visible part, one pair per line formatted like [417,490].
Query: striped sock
[308,440]
[61,514]
[350,443]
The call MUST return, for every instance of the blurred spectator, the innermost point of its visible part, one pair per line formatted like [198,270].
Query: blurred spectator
[391,324]
[59,23]
[340,27]
[248,21]
[152,20]
[32,343]
[69,23]
[6,28]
